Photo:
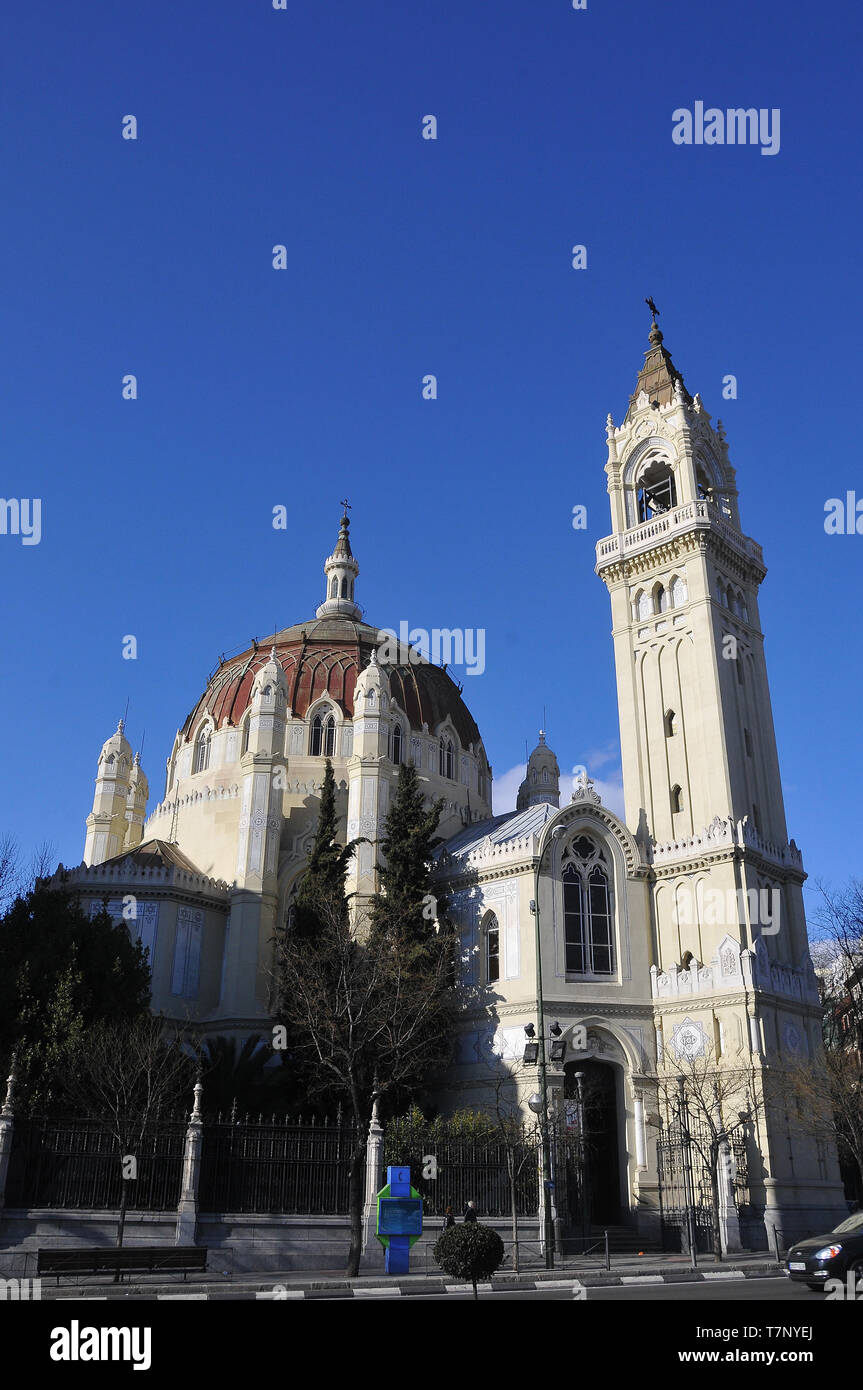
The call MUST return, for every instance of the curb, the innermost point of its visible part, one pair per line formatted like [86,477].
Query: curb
[316,1290]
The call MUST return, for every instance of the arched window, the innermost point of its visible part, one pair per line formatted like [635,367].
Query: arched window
[202,751]
[447,759]
[723,596]
[334,587]
[656,491]
[323,740]
[492,950]
[587,919]
[396,744]
[679,592]
[644,605]
[344,587]
[244,737]
[676,800]
[670,724]
[660,599]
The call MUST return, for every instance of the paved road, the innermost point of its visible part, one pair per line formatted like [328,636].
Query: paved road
[726,1290]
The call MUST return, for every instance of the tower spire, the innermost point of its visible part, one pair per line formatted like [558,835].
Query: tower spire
[341,570]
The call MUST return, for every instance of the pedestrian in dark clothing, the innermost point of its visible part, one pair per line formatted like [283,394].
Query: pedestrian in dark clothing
[470,1212]
[448,1219]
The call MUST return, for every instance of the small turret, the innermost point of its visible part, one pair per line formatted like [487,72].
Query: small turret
[542,779]
[106,823]
[136,805]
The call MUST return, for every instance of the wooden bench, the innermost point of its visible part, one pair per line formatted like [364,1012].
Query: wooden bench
[127,1259]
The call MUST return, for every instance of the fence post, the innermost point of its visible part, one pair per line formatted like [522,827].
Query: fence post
[374,1178]
[7,1126]
[187,1211]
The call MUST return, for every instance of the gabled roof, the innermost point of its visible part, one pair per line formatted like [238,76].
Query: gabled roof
[155,854]
[500,830]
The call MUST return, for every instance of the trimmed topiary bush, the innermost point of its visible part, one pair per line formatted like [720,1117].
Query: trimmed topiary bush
[470,1251]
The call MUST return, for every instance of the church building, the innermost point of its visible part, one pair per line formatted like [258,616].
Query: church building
[673,935]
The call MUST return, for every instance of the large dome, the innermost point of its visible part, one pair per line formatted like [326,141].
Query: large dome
[324,657]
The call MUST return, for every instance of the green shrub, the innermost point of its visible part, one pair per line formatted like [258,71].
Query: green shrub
[469,1251]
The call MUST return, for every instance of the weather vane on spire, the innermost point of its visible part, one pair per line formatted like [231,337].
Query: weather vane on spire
[344,503]
[652,307]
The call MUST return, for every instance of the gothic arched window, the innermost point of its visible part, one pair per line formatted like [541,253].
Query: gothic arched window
[660,599]
[644,605]
[587,919]
[244,737]
[679,592]
[492,950]
[323,740]
[676,800]
[446,766]
[396,744]
[334,587]
[344,588]
[202,751]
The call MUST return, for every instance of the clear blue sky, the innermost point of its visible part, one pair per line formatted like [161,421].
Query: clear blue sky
[409,257]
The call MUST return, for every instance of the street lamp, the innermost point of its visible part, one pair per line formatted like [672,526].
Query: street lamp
[548,1229]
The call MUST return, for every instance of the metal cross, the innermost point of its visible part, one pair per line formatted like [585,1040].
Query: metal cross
[346,505]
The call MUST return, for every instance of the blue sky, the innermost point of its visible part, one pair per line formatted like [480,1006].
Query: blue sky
[407,257]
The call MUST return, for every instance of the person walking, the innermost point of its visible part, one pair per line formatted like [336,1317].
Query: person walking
[448,1218]
[470,1212]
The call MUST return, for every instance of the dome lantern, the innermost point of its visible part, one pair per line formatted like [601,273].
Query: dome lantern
[341,570]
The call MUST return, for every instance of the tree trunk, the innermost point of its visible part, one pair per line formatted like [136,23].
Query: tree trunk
[514,1210]
[475,1294]
[121,1224]
[714,1198]
[356,1192]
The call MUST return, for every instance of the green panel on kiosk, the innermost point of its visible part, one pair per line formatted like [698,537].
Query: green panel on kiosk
[416,1206]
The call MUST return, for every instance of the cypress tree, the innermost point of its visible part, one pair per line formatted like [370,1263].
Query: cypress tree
[405,906]
[324,878]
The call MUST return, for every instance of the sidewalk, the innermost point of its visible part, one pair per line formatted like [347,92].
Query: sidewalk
[327,1284]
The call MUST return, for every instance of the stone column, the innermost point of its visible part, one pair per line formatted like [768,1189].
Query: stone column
[7,1126]
[374,1183]
[728,1220]
[640,1146]
[187,1211]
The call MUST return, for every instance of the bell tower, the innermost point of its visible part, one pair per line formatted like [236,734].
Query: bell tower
[702,787]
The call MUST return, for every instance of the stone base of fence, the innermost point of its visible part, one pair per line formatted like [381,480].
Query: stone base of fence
[239,1244]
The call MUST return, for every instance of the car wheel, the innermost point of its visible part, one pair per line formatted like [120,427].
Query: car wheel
[856,1268]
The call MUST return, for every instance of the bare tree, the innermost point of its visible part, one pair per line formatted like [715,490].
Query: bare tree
[708,1097]
[128,1075]
[10,870]
[368,1017]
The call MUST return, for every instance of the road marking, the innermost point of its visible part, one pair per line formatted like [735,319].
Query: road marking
[642,1279]
[176,1297]
[281,1295]
[723,1274]
[559,1284]
[387,1292]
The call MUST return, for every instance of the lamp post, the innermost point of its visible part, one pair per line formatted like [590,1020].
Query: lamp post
[582,1152]
[686,1153]
[542,1111]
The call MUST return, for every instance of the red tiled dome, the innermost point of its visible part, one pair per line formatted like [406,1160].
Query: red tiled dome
[324,657]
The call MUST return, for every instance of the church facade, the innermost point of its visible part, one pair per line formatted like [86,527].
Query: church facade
[670,939]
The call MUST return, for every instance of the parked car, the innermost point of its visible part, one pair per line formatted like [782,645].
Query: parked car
[818,1258]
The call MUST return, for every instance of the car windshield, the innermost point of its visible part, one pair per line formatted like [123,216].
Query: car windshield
[854,1223]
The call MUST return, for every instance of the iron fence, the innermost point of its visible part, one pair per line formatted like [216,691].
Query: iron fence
[76,1163]
[290,1166]
[451,1169]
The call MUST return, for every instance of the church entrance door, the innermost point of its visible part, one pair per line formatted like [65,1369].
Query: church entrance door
[592,1145]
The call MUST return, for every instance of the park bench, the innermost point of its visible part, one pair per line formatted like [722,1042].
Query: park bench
[130,1259]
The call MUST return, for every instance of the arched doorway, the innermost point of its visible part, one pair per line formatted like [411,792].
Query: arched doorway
[592,1145]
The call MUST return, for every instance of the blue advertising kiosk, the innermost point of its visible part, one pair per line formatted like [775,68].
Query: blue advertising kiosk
[400,1219]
